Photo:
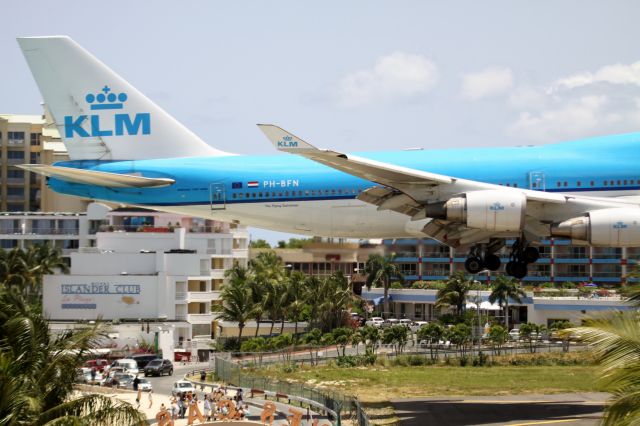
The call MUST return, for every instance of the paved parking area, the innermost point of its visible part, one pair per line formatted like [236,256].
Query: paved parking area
[579,409]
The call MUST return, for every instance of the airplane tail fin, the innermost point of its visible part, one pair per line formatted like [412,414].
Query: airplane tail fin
[100,115]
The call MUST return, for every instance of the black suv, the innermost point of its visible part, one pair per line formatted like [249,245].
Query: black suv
[158,367]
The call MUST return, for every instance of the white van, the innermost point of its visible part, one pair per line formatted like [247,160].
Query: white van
[129,365]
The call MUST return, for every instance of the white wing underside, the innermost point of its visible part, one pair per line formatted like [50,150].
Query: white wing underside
[408,191]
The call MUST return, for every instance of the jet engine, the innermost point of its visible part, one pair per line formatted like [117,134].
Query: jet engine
[617,227]
[491,210]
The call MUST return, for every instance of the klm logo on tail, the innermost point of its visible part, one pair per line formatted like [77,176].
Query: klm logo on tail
[287,142]
[123,124]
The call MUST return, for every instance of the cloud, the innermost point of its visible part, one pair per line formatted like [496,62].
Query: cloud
[486,83]
[395,77]
[612,74]
[606,101]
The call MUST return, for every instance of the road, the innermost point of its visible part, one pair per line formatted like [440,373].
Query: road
[163,384]
[579,409]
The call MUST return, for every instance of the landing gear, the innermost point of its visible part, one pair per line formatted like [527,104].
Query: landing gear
[481,256]
[521,255]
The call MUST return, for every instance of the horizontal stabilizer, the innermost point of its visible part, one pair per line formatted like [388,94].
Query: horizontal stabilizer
[93,177]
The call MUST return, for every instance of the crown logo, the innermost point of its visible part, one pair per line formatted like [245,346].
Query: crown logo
[287,138]
[106,100]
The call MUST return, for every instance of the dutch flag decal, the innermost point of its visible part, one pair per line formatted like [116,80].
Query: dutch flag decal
[253,184]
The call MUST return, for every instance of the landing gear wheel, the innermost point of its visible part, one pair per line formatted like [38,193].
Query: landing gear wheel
[473,265]
[492,262]
[509,268]
[530,255]
[519,270]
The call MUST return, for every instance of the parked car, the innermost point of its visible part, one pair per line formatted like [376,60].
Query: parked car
[375,321]
[417,326]
[98,364]
[390,322]
[83,375]
[144,385]
[125,380]
[159,367]
[129,365]
[514,334]
[143,359]
[182,386]
[406,322]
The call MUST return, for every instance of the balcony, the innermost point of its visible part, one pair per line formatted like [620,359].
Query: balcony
[200,296]
[200,318]
[15,142]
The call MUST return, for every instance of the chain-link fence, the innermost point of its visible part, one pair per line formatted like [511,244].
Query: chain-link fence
[339,403]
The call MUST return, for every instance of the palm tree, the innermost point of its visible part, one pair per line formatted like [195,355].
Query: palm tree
[37,372]
[335,296]
[503,290]
[237,304]
[616,342]
[380,270]
[269,272]
[313,294]
[296,298]
[454,293]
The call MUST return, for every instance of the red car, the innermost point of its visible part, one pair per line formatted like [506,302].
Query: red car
[99,364]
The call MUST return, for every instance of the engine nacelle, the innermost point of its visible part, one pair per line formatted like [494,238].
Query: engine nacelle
[618,227]
[491,210]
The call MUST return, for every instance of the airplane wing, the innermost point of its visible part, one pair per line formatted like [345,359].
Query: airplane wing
[420,194]
[93,177]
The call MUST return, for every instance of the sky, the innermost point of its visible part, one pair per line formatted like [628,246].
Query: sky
[356,75]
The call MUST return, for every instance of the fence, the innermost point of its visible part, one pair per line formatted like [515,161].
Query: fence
[335,402]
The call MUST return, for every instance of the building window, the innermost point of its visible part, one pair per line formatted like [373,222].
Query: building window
[35,139]
[35,158]
[15,174]
[15,192]
[16,138]
[15,155]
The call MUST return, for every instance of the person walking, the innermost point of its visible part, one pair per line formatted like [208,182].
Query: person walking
[150,398]
[136,382]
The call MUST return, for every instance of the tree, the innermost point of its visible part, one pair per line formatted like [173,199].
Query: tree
[256,346]
[557,328]
[503,290]
[531,333]
[498,336]
[371,336]
[460,335]
[432,334]
[237,303]
[454,292]
[380,270]
[269,272]
[397,336]
[259,244]
[313,339]
[335,296]
[615,340]
[37,371]
[342,337]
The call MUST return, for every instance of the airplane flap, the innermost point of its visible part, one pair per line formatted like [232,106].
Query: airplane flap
[93,177]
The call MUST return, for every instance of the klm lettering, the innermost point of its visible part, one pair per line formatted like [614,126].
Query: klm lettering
[123,125]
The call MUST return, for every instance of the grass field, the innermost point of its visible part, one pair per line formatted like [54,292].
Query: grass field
[377,383]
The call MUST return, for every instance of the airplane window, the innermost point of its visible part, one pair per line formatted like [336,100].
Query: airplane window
[313,193]
[618,182]
[306,192]
[592,183]
[260,194]
[359,191]
[326,191]
[239,194]
[279,194]
[247,195]
[605,183]
[234,195]
[299,193]
[611,182]
[559,183]
[534,185]
[253,195]
[578,183]
[515,185]
[565,183]
[339,191]
[286,194]
[625,181]
[508,184]
[333,191]
[353,191]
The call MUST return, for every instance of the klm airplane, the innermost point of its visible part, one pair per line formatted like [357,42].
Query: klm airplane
[125,149]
